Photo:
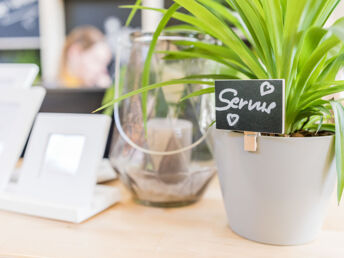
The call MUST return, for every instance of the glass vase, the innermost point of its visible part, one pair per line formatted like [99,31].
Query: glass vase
[165,160]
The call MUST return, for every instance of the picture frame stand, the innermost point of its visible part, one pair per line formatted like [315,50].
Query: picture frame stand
[104,197]
[58,177]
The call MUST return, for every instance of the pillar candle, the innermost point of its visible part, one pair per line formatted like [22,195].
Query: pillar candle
[165,135]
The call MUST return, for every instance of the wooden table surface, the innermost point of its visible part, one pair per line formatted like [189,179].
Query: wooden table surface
[131,230]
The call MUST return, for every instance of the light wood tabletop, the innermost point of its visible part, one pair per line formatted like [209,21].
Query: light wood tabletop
[131,230]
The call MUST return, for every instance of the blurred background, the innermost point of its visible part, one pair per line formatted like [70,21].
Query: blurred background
[72,41]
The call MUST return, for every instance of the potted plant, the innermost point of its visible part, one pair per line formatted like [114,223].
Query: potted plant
[279,194]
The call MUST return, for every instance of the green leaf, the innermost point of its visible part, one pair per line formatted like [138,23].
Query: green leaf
[109,95]
[152,87]
[338,28]
[220,30]
[327,128]
[302,84]
[199,93]
[339,145]
[314,59]
[212,76]
[146,69]
[132,13]
[274,23]
[183,28]
[257,27]
[227,14]
[291,37]
[330,72]
[325,10]
[198,54]
[310,97]
[216,50]
[313,36]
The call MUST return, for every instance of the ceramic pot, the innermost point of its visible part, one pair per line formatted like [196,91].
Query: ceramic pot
[279,194]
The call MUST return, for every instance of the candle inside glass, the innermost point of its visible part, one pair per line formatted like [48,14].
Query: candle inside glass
[164,135]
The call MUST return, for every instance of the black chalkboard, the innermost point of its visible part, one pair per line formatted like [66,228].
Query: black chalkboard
[96,12]
[19,19]
[250,105]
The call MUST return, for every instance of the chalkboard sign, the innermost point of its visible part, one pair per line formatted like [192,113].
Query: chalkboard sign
[19,20]
[250,105]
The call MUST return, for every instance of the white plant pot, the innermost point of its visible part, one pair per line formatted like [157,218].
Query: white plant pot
[279,194]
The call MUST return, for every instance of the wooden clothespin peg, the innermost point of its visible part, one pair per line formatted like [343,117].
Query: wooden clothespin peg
[250,141]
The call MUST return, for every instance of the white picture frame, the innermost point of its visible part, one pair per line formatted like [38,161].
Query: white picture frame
[20,76]
[49,173]
[18,108]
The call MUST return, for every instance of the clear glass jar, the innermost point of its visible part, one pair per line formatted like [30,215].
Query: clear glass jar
[163,180]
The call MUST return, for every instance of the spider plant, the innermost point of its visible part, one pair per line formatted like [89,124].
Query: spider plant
[284,39]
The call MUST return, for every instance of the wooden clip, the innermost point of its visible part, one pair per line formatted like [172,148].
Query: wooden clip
[250,141]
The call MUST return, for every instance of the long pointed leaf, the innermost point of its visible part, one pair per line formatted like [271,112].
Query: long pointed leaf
[152,87]
[339,145]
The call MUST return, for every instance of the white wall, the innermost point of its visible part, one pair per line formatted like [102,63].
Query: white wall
[338,13]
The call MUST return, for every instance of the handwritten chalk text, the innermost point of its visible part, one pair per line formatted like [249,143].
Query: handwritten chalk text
[240,103]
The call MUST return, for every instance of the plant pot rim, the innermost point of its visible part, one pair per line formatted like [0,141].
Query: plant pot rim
[280,138]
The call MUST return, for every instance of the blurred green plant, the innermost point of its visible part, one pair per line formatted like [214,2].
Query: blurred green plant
[22,57]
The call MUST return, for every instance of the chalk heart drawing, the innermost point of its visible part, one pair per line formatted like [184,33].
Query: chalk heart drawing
[232,119]
[266,88]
